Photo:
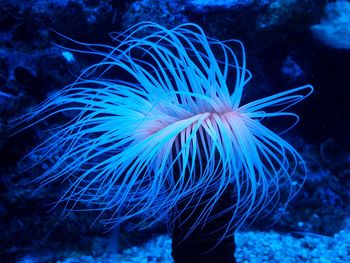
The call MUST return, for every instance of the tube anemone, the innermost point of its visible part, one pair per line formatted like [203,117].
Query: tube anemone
[159,122]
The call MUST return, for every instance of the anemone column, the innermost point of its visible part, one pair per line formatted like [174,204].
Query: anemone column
[207,243]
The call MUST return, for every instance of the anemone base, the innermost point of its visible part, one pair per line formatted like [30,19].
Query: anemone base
[203,245]
[203,250]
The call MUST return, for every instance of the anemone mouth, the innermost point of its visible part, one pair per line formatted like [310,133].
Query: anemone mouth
[168,129]
[160,117]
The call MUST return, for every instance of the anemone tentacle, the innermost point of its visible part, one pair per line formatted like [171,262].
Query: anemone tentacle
[169,128]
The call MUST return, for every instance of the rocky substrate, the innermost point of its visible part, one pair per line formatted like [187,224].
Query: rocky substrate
[252,246]
[259,247]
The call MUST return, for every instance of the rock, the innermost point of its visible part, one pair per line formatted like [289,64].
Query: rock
[334,28]
[294,12]
[334,156]
[168,13]
[203,6]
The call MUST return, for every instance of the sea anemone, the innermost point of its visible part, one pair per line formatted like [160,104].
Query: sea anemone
[158,122]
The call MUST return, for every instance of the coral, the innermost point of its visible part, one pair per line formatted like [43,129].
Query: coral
[334,29]
[156,123]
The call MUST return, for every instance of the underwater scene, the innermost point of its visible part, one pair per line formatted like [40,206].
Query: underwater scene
[211,131]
